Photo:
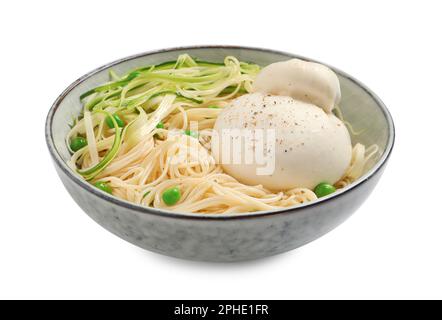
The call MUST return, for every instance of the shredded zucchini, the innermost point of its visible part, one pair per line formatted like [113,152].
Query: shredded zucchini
[145,96]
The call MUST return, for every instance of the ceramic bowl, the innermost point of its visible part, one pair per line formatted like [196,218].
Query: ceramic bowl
[221,237]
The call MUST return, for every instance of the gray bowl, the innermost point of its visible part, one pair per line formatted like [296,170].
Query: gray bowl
[221,237]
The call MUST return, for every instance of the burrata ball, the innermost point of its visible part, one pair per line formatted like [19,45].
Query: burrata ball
[306,145]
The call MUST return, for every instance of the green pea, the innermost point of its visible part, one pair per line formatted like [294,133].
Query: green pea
[213,107]
[323,189]
[171,196]
[160,125]
[191,133]
[78,143]
[103,186]
[110,123]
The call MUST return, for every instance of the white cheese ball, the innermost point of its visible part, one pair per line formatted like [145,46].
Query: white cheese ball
[302,80]
[311,146]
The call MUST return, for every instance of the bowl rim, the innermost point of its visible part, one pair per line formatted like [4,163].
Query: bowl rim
[198,216]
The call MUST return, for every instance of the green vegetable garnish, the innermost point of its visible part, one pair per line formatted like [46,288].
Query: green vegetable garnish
[90,173]
[171,196]
[160,125]
[191,133]
[323,189]
[110,123]
[109,94]
[133,75]
[78,143]
[213,107]
[103,186]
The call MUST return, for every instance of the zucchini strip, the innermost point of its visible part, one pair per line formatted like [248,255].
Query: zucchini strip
[90,173]
[90,136]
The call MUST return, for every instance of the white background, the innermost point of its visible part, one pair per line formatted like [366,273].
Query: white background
[391,247]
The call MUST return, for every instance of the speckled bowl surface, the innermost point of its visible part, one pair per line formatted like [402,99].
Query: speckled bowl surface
[221,237]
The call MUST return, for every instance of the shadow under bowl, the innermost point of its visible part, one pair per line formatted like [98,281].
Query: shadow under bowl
[221,237]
